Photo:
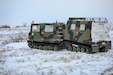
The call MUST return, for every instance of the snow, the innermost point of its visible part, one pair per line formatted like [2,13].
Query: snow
[16,58]
[111,36]
[17,45]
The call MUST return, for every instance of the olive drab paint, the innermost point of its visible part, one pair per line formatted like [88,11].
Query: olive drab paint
[78,34]
[47,32]
[46,35]
[84,33]
[78,31]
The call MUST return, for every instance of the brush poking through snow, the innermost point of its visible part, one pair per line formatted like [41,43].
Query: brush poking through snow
[16,58]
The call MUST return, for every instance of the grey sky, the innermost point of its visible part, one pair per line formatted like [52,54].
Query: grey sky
[17,12]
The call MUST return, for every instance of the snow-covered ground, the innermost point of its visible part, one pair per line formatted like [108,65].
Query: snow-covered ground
[16,58]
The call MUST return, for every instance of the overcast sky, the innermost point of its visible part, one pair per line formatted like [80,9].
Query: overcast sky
[18,12]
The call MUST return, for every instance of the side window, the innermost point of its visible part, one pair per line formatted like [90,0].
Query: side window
[73,26]
[49,28]
[82,27]
[36,29]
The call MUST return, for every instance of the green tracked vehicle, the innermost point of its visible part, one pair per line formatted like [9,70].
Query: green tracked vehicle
[87,35]
[46,36]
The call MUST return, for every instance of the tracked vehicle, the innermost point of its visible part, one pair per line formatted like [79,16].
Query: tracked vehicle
[46,36]
[87,35]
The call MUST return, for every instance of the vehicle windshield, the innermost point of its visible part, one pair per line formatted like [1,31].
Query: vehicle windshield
[36,28]
[48,28]
[82,27]
[73,26]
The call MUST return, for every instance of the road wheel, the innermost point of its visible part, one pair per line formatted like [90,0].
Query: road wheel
[70,48]
[31,45]
[44,48]
[88,50]
[74,48]
[78,49]
[48,47]
[35,46]
[82,49]
[56,48]
[40,47]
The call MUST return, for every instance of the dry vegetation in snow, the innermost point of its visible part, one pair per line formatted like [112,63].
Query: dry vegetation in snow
[16,58]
